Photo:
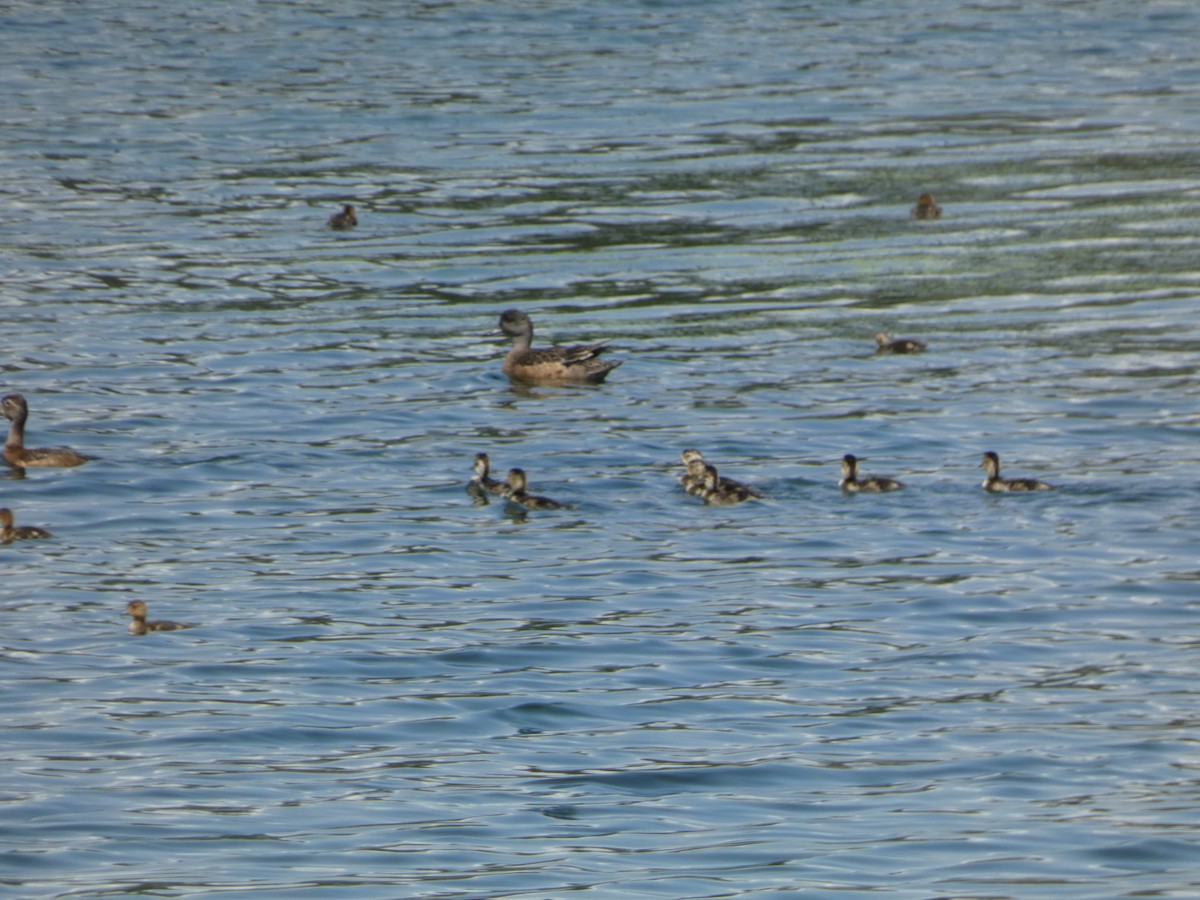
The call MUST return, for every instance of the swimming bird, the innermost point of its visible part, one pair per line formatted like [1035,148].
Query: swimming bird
[692,480]
[10,533]
[344,219]
[997,485]
[518,492]
[884,344]
[720,491]
[874,484]
[482,479]
[16,454]
[926,208]
[139,625]
[550,365]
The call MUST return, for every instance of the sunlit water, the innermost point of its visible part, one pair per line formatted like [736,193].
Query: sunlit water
[391,691]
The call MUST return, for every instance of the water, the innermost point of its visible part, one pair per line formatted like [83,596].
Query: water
[392,692]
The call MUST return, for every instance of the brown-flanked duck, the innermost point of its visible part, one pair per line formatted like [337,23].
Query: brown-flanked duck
[139,625]
[16,454]
[926,208]
[720,491]
[345,219]
[518,492]
[884,344]
[692,480]
[10,532]
[997,485]
[550,365]
[873,484]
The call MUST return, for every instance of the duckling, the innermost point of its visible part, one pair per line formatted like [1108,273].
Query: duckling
[344,219]
[692,480]
[926,208]
[719,491]
[518,492]
[883,344]
[139,625]
[550,365]
[874,484]
[9,533]
[997,485]
[16,454]
[482,479]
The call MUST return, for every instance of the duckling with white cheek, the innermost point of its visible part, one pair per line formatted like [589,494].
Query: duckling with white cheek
[518,492]
[720,491]
[993,483]
[139,625]
[872,484]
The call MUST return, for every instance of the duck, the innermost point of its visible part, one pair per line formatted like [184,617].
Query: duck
[994,484]
[482,479]
[550,365]
[720,491]
[873,484]
[17,455]
[344,219]
[692,480]
[884,344]
[139,625]
[926,208]
[10,533]
[518,492]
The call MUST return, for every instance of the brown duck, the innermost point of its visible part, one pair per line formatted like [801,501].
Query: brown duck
[884,344]
[139,625]
[872,484]
[344,219]
[578,364]
[993,483]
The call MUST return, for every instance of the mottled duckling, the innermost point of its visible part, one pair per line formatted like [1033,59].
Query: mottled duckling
[344,219]
[482,479]
[719,491]
[10,533]
[997,485]
[692,480]
[16,454]
[139,625]
[550,365]
[518,492]
[926,208]
[874,484]
[884,344]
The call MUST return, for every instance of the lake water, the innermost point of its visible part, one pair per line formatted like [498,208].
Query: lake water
[392,692]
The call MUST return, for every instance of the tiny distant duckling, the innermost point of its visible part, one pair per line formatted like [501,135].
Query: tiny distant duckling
[993,483]
[884,344]
[926,208]
[518,492]
[720,491]
[139,625]
[10,533]
[17,455]
[482,479]
[345,219]
[872,484]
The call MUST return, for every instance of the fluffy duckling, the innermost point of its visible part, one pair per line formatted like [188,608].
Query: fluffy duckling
[16,454]
[482,479]
[873,484]
[692,480]
[719,491]
[550,365]
[139,625]
[518,492]
[884,344]
[926,208]
[10,533]
[997,485]
[344,219]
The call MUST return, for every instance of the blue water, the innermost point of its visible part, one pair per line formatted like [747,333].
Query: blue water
[393,692]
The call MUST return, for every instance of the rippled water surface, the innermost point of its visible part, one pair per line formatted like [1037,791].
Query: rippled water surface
[392,691]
